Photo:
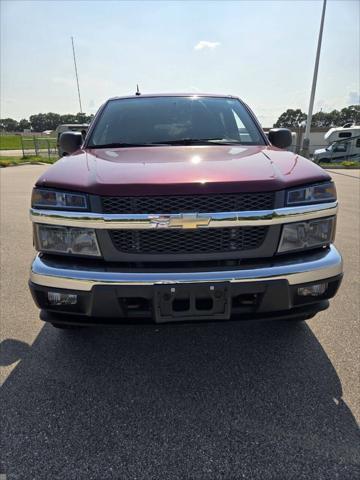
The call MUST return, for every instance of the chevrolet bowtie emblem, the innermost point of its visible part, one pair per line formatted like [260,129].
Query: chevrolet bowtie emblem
[185,220]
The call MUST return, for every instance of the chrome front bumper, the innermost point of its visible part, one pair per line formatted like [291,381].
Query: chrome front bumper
[304,268]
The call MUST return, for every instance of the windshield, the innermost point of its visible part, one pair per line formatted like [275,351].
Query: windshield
[174,120]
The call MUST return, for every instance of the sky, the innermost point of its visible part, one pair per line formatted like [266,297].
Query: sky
[261,51]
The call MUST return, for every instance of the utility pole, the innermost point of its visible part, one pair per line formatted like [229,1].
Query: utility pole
[306,141]
[76,73]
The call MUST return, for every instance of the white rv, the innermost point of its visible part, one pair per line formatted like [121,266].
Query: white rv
[341,133]
[344,144]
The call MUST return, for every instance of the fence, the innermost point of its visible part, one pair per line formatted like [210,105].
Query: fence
[347,149]
[316,139]
[39,146]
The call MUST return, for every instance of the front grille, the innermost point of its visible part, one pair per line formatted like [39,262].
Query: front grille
[209,240]
[224,202]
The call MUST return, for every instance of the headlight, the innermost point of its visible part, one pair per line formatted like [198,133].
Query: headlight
[53,199]
[322,192]
[301,235]
[78,241]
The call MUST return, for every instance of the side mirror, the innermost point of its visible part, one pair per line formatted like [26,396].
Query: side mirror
[70,142]
[280,137]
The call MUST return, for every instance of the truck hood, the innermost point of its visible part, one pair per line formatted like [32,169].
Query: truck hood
[181,170]
[320,151]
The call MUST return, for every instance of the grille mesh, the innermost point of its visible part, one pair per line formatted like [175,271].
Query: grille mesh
[195,241]
[226,202]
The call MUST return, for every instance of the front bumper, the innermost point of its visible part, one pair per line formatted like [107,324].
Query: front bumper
[267,288]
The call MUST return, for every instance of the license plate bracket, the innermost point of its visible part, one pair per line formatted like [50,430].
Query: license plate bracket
[193,301]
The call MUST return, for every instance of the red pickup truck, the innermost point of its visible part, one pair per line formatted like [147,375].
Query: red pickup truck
[178,207]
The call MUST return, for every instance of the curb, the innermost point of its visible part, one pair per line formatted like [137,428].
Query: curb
[24,163]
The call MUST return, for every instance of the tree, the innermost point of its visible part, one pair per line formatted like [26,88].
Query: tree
[24,125]
[78,118]
[320,119]
[39,122]
[350,114]
[335,118]
[291,118]
[68,118]
[81,118]
[9,125]
[49,121]
[45,121]
[52,120]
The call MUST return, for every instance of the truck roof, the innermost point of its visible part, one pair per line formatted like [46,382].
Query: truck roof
[73,125]
[186,94]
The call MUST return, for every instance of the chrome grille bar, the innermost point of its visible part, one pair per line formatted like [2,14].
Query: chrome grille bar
[184,220]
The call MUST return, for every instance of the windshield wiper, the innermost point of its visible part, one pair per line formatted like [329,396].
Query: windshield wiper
[119,145]
[180,141]
[197,141]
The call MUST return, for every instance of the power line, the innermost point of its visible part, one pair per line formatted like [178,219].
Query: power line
[76,74]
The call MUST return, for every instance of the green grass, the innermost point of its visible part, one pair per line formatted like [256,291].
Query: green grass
[13,142]
[345,164]
[7,161]
[10,142]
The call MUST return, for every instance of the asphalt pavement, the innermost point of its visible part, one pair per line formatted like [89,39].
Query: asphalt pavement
[210,401]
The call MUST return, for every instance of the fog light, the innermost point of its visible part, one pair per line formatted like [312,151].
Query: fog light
[312,290]
[56,298]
